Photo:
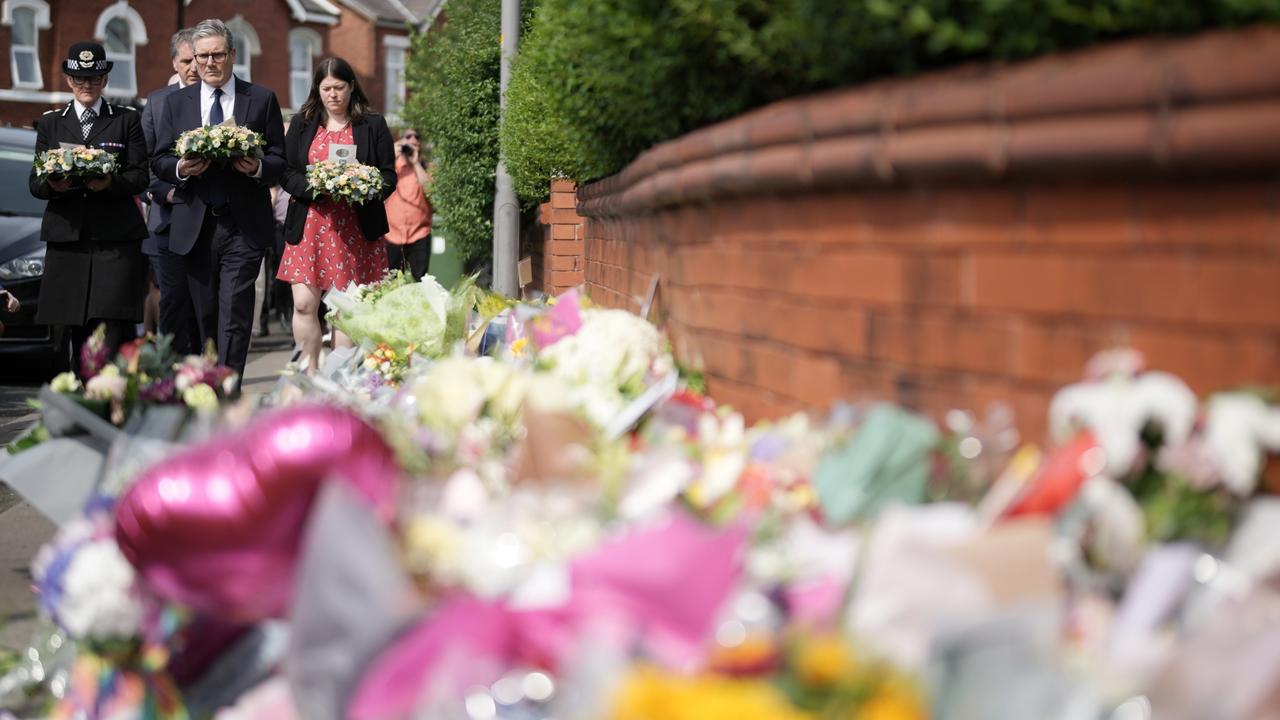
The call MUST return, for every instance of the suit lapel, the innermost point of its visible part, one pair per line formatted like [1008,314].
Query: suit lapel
[190,108]
[69,127]
[242,102]
[307,137]
[100,123]
[360,133]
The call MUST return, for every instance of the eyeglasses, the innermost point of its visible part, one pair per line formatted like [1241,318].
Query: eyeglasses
[218,57]
[88,81]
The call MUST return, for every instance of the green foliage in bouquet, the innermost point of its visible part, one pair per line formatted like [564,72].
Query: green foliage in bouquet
[1175,510]
[453,80]
[596,83]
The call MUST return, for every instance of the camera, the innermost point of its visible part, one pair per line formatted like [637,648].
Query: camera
[406,150]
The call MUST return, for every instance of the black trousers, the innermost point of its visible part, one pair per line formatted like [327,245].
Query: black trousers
[414,257]
[177,312]
[221,269]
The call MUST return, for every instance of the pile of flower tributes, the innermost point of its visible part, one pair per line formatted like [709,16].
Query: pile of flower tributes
[530,510]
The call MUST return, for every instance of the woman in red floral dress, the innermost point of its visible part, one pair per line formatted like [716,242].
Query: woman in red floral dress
[332,244]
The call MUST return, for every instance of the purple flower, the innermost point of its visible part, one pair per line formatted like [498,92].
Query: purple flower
[158,391]
[93,354]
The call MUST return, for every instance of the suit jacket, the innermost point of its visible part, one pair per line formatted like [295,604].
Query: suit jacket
[94,268]
[158,190]
[249,198]
[373,147]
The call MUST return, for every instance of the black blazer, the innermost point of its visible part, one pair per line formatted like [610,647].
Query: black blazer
[250,198]
[79,214]
[158,190]
[373,147]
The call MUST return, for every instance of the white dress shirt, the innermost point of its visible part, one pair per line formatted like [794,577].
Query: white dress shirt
[100,108]
[228,100]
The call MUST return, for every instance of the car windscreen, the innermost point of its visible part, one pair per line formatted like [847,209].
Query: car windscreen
[15,193]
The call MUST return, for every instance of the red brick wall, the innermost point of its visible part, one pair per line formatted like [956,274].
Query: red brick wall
[354,39]
[558,262]
[75,21]
[969,236]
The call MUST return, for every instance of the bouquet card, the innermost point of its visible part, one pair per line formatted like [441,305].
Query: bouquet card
[342,153]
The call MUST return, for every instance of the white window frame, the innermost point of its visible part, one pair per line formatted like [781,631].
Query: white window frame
[119,85]
[40,11]
[244,64]
[316,43]
[393,45]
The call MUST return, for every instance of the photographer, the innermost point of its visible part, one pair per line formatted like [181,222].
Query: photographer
[409,210]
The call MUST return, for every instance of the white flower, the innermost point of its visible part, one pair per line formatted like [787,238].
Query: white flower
[1116,410]
[1238,428]
[100,599]
[106,385]
[449,394]
[65,383]
[200,397]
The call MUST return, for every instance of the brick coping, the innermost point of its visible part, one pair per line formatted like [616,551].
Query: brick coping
[1185,105]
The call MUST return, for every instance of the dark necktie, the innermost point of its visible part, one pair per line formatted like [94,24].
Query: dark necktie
[217,188]
[86,122]
[215,112]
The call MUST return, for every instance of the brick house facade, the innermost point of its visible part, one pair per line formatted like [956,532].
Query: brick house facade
[277,41]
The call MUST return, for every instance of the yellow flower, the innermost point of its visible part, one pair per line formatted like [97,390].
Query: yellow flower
[519,346]
[894,702]
[649,694]
[823,661]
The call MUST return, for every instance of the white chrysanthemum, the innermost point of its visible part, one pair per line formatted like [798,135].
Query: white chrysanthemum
[1238,428]
[99,600]
[1116,410]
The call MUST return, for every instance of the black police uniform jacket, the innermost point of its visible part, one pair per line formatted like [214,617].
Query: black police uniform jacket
[94,267]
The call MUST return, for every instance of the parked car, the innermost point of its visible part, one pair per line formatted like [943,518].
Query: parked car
[22,252]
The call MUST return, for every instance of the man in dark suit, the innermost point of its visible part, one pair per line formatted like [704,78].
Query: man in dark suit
[94,269]
[177,314]
[222,219]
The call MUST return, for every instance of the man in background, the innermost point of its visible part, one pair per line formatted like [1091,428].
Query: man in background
[176,314]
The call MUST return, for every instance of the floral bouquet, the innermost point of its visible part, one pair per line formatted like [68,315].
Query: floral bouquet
[144,372]
[398,313]
[219,143]
[74,162]
[349,182]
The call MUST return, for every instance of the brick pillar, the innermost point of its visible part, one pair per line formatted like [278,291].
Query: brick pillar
[562,264]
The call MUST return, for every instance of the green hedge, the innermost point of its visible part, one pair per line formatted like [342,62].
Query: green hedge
[452,77]
[599,81]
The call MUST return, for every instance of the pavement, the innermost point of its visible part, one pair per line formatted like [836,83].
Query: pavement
[23,530]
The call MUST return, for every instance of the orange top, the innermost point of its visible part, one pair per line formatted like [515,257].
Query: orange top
[408,209]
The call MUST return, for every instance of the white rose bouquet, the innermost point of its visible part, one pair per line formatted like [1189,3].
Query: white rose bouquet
[220,142]
[349,182]
[74,162]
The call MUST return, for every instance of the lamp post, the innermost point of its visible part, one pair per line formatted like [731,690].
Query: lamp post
[506,209]
[182,14]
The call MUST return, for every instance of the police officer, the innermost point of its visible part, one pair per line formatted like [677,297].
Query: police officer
[94,268]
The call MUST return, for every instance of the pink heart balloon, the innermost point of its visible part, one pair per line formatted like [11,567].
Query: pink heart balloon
[218,527]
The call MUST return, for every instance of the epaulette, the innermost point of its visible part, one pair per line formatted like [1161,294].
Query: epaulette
[50,112]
